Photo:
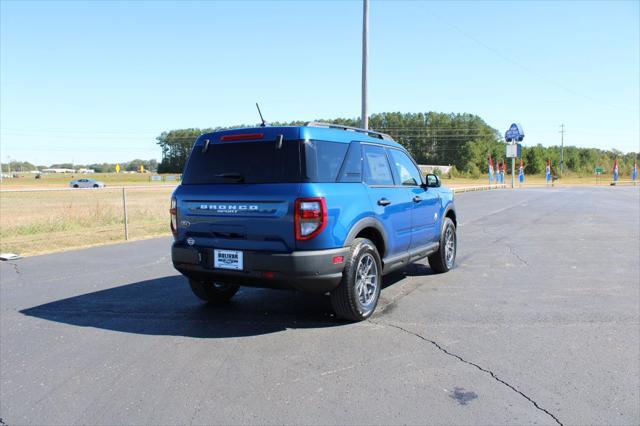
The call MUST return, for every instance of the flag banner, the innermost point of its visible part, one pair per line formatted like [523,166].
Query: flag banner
[615,171]
[548,172]
[634,175]
[521,172]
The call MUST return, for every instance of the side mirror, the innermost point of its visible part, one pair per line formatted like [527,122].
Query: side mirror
[433,181]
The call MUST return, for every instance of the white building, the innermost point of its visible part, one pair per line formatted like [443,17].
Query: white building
[58,171]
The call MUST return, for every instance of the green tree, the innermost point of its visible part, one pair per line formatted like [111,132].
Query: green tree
[535,160]
[176,146]
[462,140]
[17,166]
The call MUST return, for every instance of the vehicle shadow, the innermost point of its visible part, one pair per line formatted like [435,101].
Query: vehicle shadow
[417,269]
[166,306]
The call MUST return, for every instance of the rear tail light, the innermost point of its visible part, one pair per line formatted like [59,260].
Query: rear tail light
[310,217]
[173,211]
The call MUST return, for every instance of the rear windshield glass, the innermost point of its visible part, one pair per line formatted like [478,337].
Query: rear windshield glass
[244,162]
[264,162]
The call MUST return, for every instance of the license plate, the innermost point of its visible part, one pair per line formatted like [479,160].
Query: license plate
[227,259]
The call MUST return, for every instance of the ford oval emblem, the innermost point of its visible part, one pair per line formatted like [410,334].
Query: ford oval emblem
[191,241]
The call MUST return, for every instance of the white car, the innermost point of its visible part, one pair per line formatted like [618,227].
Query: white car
[86,183]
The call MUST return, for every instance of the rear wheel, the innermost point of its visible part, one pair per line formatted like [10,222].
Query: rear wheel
[76,186]
[213,292]
[96,186]
[444,259]
[356,297]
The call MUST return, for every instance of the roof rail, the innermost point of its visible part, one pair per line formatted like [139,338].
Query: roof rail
[380,135]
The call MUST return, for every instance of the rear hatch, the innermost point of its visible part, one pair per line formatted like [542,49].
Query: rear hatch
[240,193]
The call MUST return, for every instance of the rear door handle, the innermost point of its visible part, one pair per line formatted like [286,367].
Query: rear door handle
[383,202]
[417,199]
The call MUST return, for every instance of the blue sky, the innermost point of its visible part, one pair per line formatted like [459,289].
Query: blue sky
[93,82]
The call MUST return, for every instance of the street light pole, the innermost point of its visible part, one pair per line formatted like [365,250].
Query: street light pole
[365,57]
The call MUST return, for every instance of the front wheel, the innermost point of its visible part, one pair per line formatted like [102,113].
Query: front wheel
[444,259]
[356,297]
[213,292]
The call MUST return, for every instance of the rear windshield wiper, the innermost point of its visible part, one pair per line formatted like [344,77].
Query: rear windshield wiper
[236,176]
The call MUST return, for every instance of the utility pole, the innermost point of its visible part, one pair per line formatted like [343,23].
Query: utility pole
[365,57]
[562,131]
[513,170]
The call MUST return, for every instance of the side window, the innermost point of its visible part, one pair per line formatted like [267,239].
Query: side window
[405,169]
[352,167]
[376,166]
[323,160]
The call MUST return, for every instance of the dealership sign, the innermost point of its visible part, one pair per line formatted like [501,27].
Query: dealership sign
[514,134]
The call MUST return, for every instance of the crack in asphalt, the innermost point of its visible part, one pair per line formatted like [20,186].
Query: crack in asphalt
[15,268]
[516,255]
[512,251]
[484,370]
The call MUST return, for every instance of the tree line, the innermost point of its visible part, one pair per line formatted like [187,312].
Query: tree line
[464,141]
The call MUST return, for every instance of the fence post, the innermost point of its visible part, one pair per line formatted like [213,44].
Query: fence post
[126,217]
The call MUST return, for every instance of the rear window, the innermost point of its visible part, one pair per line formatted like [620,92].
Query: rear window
[323,160]
[264,162]
[244,162]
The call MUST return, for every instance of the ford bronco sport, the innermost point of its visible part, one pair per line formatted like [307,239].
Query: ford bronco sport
[319,208]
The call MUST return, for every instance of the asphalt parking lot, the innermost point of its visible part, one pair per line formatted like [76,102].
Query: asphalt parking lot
[538,324]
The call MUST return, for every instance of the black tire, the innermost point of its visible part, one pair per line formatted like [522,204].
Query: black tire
[347,300]
[96,186]
[76,186]
[213,292]
[442,260]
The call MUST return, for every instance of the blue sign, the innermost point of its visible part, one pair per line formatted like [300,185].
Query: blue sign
[515,133]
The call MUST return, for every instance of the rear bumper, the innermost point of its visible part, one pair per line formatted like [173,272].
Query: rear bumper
[311,271]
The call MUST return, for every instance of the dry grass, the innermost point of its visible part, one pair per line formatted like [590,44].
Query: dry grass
[40,222]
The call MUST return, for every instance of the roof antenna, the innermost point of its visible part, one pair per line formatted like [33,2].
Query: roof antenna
[264,123]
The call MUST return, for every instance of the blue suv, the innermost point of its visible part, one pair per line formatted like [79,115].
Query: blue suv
[319,208]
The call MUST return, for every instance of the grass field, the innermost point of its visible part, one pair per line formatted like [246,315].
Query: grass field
[40,222]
